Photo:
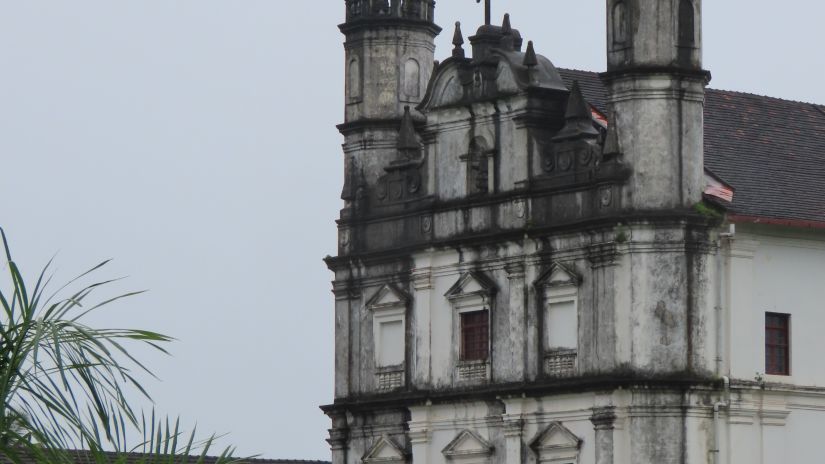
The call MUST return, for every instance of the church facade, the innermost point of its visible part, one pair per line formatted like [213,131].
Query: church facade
[539,265]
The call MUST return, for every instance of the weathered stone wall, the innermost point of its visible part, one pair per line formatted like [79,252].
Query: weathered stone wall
[518,203]
[659,119]
[632,321]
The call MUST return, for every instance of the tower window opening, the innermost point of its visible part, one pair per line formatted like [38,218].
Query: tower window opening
[619,24]
[687,24]
[412,8]
[412,80]
[354,79]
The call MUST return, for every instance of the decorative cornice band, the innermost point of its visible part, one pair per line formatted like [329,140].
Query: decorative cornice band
[604,418]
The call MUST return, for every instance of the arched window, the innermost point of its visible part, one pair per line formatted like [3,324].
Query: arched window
[412,9]
[412,79]
[687,24]
[355,8]
[619,24]
[380,7]
[354,72]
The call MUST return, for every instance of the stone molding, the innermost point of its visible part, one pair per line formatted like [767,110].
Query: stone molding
[460,298]
[397,298]
[458,448]
[513,426]
[514,270]
[422,279]
[385,450]
[604,418]
[558,275]
[556,444]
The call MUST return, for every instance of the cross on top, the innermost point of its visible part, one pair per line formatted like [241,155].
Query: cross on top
[487,15]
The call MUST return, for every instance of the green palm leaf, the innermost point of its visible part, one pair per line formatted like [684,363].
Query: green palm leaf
[64,384]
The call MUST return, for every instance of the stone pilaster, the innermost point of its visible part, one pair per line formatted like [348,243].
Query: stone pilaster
[338,437]
[517,323]
[420,443]
[420,433]
[604,419]
[513,430]
[345,298]
[422,282]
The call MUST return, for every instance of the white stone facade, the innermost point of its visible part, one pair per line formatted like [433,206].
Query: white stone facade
[517,283]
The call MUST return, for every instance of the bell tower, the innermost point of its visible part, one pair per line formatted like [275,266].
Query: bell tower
[389,59]
[656,82]
[389,56]
[656,88]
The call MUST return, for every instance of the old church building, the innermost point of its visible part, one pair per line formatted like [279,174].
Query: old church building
[539,265]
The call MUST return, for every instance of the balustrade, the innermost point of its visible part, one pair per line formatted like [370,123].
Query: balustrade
[407,9]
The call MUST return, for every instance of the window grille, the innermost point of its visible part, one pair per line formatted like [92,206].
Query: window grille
[777,344]
[475,335]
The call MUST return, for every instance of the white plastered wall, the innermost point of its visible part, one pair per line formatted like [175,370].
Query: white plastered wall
[771,269]
[772,272]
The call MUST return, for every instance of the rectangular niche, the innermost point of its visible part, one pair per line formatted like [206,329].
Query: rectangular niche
[391,342]
[560,315]
[389,309]
[561,333]
[561,326]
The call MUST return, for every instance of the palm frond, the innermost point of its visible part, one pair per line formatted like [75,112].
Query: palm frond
[64,384]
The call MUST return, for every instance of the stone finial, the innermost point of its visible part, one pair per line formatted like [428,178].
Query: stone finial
[506,27]
[508,40]
[407,140]
[579,117]
[530,59]
[612,147]
[458,41]
[577,106]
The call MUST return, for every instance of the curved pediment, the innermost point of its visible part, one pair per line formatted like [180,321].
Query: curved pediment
[545,76]
[502,73]
[445,87]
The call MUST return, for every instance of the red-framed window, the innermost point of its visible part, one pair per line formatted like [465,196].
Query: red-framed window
[777,344]
[475,335]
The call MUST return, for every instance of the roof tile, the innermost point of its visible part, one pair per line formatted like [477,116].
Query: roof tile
[772,151]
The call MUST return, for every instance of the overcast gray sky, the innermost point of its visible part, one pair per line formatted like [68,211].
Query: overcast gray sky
[194,141]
